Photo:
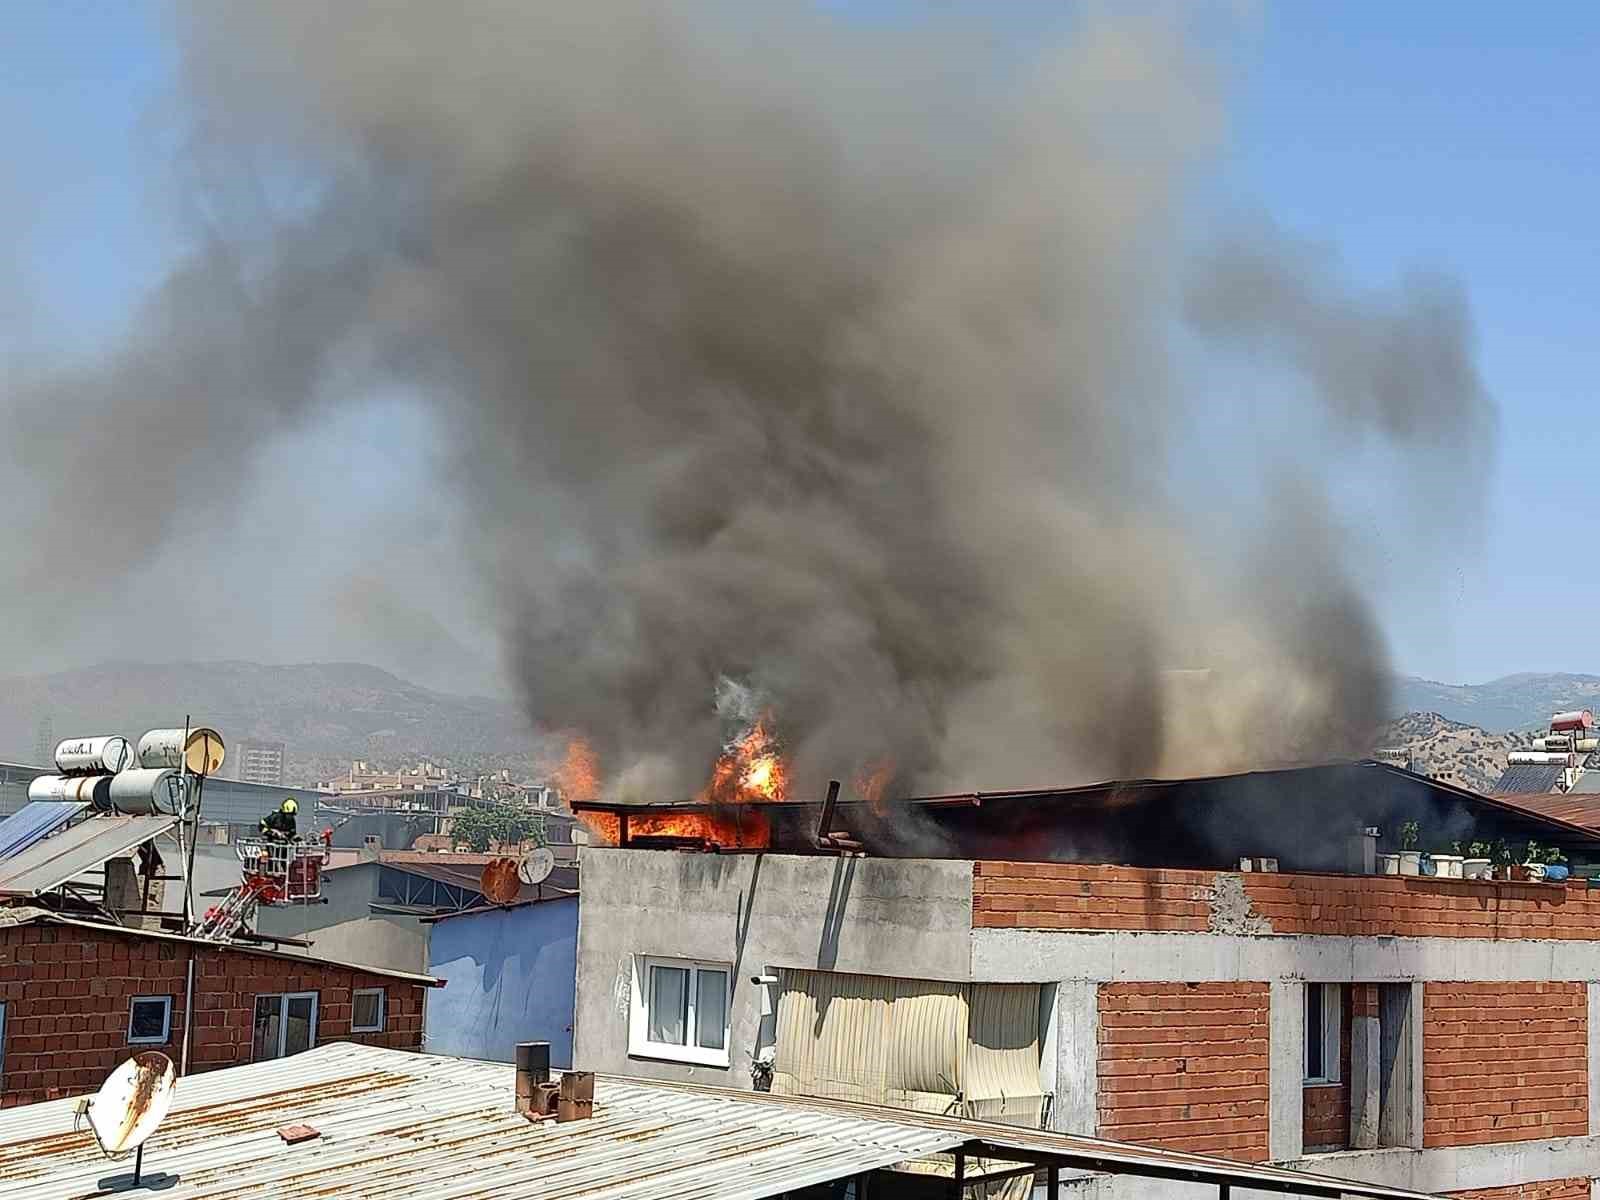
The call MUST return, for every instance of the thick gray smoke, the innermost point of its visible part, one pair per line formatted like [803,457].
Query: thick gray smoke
[764,349]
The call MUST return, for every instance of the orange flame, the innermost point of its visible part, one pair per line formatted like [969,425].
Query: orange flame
[871,781]
[736,829]
[578,777]
[750,770]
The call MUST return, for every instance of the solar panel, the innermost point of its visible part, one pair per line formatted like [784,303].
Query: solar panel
[34,821]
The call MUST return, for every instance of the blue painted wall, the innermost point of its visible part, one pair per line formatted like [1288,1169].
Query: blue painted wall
[510,976]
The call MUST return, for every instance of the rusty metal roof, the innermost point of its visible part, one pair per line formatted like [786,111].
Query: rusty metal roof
[395,1124]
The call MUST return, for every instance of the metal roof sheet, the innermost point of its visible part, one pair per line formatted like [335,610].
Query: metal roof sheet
[35,820]
[24,916]
[48,864]
[396,1124]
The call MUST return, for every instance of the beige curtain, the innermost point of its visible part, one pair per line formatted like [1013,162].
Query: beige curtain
[963,1049]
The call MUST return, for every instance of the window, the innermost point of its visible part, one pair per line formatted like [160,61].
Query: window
[680,1011]
[285,1024]
[149,1020]
[1324,1010]
[366,1012]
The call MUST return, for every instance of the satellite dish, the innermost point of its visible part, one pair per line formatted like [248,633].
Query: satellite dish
[536,865]
[498,883]
[131,1103]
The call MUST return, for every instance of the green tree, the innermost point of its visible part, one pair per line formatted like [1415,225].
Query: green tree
[477,827]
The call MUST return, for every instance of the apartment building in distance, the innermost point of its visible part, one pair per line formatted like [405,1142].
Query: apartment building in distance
[1204,965]
[261,762]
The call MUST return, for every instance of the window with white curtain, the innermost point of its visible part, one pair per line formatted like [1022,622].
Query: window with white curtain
[680,1010]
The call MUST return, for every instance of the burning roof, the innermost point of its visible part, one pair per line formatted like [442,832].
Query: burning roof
[1303,816]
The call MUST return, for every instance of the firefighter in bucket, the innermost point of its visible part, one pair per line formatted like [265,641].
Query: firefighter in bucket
[279,826]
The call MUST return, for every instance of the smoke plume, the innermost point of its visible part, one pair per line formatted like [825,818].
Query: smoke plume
[761,348]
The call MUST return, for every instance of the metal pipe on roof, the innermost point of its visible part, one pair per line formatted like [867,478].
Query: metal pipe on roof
[188,1015]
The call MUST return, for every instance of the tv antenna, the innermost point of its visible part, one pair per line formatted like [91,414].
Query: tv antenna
[129,1106]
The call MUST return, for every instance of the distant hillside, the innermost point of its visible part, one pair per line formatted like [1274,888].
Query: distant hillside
[1450,750]
[1520,701]
[324,712]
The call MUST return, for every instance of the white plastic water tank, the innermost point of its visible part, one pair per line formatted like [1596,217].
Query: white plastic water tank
[169,747]
[104,755]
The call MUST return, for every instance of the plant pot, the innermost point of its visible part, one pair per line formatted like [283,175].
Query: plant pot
[1388,864]
[1475,868]
[1448,866]
[1411,862]
[1519,873]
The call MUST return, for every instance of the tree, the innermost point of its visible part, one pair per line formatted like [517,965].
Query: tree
[500,822]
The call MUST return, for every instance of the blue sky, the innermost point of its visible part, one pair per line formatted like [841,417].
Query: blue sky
[1459,136]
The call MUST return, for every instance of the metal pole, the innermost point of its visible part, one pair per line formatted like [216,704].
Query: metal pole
[194,832]
[1053,1183]
[958,1183]
[1223,1191]
[138,1164]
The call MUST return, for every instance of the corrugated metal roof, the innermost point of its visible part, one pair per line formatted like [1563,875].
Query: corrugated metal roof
[24,916]
[48,864]
[1578,808]
[33,821]
[395,1124]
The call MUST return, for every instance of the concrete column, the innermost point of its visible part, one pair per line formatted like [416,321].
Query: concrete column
[1077,1037]
[1365,1073]
[122,890]
[1594,1059]
[1418,1101]
[1287,1026]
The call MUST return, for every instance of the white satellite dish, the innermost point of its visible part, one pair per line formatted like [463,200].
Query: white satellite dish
[536,865]
[129,1106]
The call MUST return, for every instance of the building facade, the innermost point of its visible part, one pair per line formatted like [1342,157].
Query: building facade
[1418,1032]
[261,762]
[78,998]
[510,976]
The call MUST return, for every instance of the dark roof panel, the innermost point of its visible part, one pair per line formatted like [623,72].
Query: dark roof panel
[1525,779]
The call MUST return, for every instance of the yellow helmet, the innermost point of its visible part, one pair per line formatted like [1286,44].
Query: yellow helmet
[289,806]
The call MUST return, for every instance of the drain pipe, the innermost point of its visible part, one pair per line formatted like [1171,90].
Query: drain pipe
[188,1015]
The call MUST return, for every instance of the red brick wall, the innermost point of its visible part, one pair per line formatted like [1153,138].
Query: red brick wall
[1325,1108]
[1185,1066]
[67,992]
[1549,1189]
[1074,896]
[1504,1062]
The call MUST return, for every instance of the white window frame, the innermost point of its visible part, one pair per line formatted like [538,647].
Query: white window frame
[1331,996]
[283,1021]
[383,1010]
[639,1043]
[166,1020]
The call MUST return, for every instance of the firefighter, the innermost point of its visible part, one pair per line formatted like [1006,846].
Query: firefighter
[279,826]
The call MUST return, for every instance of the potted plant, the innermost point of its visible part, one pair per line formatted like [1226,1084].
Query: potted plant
[1478,862]
[1532,864]
[1410,856]
[1448,866]
[1502,860]
[1555,866]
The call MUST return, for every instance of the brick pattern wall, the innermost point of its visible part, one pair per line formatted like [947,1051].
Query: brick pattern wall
[1549,1189]
[1091,897]
[1504,1062]
[1184,1066]
[67,993]
[1325,1108]
[1073,896]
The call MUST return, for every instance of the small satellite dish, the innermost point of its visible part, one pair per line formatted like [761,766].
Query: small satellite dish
[536,865]
[130,1104]
[498,883]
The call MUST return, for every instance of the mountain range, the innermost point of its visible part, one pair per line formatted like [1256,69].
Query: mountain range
[1515,702]
[325,713]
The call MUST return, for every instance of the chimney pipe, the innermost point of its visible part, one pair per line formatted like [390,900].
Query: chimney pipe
[533,1069]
